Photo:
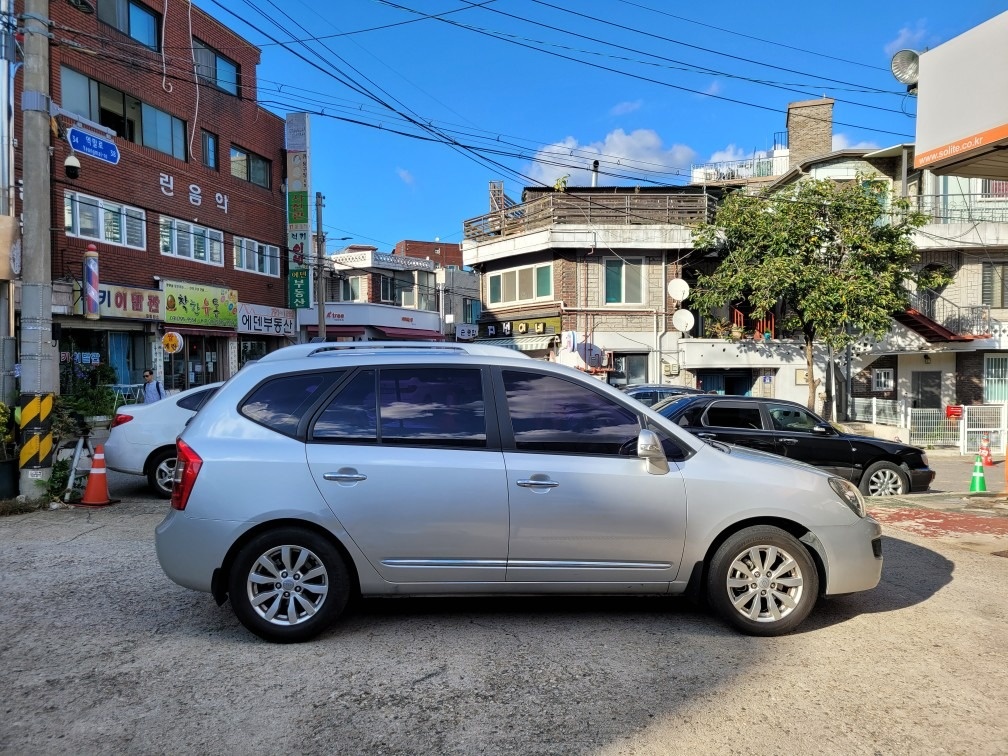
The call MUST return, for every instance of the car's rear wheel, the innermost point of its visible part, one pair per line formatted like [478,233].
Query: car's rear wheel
[161,473]
[762,581]
[884,479]
[288,585]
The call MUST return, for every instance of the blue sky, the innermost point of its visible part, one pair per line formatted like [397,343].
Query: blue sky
[419,104]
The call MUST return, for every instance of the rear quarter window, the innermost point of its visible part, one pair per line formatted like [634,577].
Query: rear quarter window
[197,399]
[280,403]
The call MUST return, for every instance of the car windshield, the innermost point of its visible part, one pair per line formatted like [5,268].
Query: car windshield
[667,406]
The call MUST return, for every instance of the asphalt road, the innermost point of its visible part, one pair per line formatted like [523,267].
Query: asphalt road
[103,654]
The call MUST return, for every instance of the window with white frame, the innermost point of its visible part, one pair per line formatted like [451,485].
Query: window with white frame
[993,288]
[624,280]
[191,242]
[527,284]
[256,257]
[883,379]
[103,220]
[350,289]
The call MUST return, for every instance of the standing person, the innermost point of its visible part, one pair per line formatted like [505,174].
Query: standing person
[153,390]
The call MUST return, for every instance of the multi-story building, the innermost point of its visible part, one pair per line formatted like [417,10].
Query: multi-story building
[189,225]
[411,295]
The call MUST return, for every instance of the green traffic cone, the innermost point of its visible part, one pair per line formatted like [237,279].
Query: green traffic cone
[978,485]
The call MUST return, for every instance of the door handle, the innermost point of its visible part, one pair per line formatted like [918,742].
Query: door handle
[537,483]
[788,441]
[341,477]
[706,435]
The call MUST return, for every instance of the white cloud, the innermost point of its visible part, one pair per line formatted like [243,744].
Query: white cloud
[729,154]
[405,176]
[622,108]
[714,88]
[911,38]
[623,158]
[843,142]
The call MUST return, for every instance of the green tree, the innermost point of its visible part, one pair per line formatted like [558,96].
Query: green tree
[834,256]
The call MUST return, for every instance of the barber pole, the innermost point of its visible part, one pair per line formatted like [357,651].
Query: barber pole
[91,303]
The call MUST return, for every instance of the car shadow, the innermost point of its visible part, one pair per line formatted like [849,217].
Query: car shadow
[911,574]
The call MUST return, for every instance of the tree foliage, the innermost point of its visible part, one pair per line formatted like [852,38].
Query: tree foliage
[834,257]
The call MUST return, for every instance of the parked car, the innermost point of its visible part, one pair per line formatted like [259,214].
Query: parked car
[878,467]
[396,469]
[142,436]
[652,393]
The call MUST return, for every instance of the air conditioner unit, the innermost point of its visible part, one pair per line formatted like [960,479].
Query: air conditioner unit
[523,328]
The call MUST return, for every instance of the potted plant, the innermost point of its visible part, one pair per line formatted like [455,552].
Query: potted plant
[9,472]
[85,391]
[718,329]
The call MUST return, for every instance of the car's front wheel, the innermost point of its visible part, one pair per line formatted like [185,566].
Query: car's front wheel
[288,585]
[762,581]
[884,479]
[161,473]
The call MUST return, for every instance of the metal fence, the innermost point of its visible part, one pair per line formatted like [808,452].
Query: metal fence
[933,429]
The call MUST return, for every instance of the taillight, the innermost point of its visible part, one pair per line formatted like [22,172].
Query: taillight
[187,467]
[119,420]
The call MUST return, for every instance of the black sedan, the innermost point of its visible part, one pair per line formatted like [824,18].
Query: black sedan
[652,393]
[878,467]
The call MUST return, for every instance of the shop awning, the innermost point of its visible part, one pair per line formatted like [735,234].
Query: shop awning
[187,331]
[413,334]
[522,343]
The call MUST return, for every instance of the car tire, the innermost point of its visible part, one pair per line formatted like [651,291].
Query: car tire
[884,479]
[743,587]
[274,597]
[161,472]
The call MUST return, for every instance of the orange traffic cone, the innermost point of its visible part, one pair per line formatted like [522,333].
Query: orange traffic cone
[96,491]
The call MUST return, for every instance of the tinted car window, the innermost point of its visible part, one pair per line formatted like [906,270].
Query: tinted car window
[432,406]
[722,415]
[280,403]
[554,415]
[795,419]
[352,415]
[196,400]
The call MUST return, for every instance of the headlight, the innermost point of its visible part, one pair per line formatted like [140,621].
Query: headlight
[849,494]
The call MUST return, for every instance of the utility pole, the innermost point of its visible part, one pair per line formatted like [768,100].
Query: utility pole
[320,292]
[39,371]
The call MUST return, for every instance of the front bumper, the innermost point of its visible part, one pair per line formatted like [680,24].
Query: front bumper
[853,556]
[920,479]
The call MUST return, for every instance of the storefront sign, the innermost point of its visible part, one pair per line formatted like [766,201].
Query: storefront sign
[298,143]
[167,182]
[299,277]
[123,302]
[199,305]
[81,358]
[172,342]
[272,321]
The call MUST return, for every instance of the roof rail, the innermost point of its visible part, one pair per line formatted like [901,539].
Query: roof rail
[336,347]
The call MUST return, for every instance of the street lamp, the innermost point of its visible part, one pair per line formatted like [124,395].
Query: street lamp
[320,292]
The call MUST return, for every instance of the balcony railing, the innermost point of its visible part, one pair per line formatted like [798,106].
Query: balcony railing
[739,170]
[973,320]
[964,208]
[597,209]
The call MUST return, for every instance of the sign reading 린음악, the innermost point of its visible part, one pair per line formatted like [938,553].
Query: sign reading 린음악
[93,145]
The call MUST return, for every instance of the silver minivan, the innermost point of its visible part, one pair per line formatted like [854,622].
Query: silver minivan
[323,471]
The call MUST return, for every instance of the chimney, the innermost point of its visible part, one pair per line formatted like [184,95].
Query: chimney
[810,130]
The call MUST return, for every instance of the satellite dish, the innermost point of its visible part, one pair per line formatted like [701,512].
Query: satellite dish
[683,321]
[905,67]
[678,289]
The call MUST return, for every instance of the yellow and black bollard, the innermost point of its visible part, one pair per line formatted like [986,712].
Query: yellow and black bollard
[36,432]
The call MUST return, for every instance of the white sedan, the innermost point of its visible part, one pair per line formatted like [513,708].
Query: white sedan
[142,438]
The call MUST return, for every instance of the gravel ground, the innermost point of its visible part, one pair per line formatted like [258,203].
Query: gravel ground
[103,654]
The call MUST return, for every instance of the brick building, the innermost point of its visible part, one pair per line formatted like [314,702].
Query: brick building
[190,224]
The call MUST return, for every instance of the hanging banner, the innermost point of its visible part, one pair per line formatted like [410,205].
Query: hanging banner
[91,303]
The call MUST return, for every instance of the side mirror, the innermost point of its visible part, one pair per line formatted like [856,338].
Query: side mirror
[824,429]
[649,448]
